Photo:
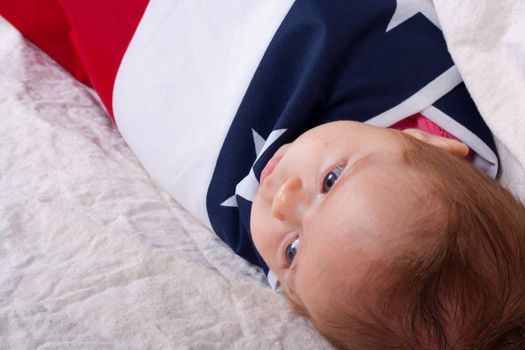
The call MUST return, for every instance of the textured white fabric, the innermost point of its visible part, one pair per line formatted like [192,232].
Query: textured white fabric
[487,41]
[92,254]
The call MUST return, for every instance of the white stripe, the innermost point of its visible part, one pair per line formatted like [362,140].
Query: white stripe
[421,100]
[181,82]
[272,280]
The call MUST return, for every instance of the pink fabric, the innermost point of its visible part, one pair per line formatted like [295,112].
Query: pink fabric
[419,121]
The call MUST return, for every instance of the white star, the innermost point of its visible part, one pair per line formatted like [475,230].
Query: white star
[247,188]
[405,9]
[258,141]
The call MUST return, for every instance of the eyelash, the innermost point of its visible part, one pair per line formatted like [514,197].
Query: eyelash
[293,244]
[338,170]
[284,261]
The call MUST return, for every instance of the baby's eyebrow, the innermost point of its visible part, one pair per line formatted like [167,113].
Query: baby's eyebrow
[352,168]
[359,164]
[291,286]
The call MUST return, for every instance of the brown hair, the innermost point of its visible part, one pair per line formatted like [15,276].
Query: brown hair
[463,287]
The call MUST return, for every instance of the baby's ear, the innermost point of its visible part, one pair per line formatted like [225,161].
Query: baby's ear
[454,147]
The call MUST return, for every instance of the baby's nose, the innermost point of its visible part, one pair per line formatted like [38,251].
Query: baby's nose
[287,203]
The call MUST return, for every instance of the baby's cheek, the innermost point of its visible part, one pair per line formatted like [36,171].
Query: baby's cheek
[259,225]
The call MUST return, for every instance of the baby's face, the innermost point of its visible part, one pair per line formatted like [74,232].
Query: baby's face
[332,202]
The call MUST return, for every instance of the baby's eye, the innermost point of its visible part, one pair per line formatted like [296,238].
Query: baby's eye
[331,178]
[291,251]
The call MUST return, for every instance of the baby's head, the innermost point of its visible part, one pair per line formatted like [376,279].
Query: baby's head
[388,239]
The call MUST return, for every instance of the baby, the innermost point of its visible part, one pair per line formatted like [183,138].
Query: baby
[359,197]
[388,239]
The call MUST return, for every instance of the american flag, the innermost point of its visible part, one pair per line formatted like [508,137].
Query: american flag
[205,91]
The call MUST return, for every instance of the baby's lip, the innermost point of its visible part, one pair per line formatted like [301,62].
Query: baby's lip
[269,167]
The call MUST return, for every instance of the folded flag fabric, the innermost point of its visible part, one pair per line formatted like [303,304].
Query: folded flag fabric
[205,91]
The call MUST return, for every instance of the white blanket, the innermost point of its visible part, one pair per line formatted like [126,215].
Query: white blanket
[487,41]
[93,255]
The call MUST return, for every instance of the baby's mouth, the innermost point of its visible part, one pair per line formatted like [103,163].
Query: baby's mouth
[269,167]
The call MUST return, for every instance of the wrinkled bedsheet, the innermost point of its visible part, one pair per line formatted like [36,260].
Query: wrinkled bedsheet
[92,254]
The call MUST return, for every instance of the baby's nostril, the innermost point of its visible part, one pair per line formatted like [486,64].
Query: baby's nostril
[277,214]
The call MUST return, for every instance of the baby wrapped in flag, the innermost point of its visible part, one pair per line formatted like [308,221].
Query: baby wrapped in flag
[331,143]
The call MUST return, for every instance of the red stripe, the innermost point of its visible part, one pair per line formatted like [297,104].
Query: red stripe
[45,24]
[88,38]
